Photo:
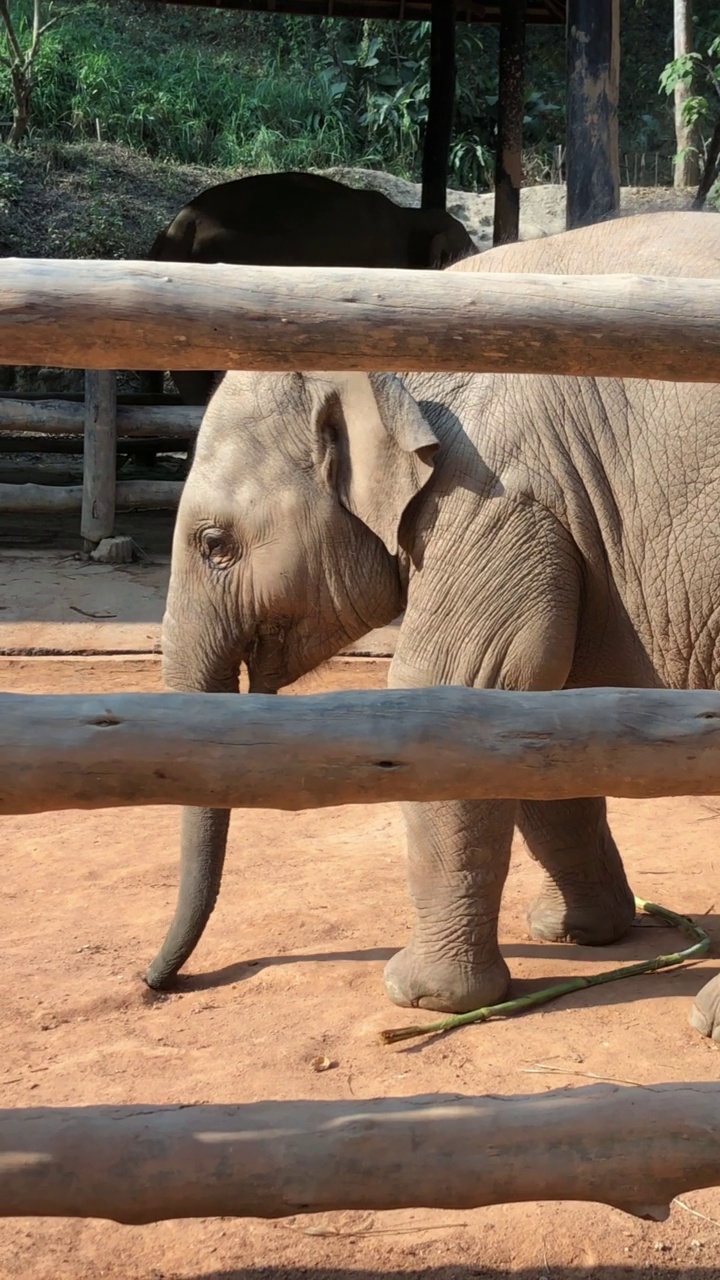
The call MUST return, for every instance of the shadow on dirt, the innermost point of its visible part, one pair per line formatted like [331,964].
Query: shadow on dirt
[464,1273]
[642,943]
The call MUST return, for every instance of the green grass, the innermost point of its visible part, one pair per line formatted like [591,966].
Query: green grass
[214,88]
[262,92]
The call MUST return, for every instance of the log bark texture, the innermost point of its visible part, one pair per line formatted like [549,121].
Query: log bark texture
[64,418]
[631,1148]
[54,445]
[48,499]
[192,316]
[226,751]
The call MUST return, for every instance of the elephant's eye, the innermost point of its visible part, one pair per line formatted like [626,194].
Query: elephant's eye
[219,547]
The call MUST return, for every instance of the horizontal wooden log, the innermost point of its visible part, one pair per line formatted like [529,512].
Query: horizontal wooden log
[226,751]
[46,499]
[63,444]
[62,417]
[18,471]
[198,316]
[633,1148]
[77,397]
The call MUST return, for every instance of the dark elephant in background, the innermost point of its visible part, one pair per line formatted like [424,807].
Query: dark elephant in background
[303,219]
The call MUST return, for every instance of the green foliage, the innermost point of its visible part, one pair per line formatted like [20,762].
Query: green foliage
[10,181]
[21,42]
[684,70]
[700,72]
[262,92]
[248,91]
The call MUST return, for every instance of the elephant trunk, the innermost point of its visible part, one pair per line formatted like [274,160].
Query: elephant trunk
[204,831]
[202,857]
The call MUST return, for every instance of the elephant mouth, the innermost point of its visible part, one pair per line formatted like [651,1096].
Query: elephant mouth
[266,661]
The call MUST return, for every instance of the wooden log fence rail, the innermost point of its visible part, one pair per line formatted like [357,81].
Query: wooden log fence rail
[56,417]
[126,495]
[248,751]
[632,1148]
[33,442]
[135,315]
[95,425]
[189,316]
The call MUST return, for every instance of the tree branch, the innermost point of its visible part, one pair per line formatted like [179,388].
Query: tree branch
[12,37]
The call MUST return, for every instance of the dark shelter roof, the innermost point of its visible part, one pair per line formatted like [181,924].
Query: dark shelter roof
[538,11]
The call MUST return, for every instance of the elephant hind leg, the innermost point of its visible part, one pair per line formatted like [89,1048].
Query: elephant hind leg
[585,897]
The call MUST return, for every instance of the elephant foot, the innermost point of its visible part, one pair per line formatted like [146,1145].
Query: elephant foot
[705,1013]
[602,917]
[414,981]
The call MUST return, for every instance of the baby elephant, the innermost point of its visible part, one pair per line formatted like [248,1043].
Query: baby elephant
[539,532]
[304,220]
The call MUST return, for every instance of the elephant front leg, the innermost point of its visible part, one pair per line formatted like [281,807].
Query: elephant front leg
[586,897]
[458,857]
[705,1013]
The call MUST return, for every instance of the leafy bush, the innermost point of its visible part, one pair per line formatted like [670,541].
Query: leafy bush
[249,91]
[263,92]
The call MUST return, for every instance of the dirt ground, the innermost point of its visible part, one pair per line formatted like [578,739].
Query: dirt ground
[283,975]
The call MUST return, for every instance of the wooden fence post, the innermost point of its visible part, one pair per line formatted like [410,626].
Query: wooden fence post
[441,106]
[511,109]
[99,468]
[592,160]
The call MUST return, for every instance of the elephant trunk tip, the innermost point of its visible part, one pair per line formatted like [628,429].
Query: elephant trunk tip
[160,975]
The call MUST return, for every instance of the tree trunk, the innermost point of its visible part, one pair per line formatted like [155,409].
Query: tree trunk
[19,129]
[441,106]
[21,111]
[710,169]
[687,164]
[591,152]
[511,109]
[22,90]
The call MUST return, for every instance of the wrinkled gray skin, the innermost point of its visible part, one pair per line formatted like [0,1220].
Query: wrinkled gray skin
[303,219]
[542,533]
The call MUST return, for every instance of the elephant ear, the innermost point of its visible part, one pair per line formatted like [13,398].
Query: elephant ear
[374,448]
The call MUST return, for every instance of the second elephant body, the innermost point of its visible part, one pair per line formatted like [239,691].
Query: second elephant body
[303,219]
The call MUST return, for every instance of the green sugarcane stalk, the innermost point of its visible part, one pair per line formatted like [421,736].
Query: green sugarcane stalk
[510,1007]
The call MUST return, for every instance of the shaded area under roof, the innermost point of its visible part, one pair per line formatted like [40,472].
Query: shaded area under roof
[538,11]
